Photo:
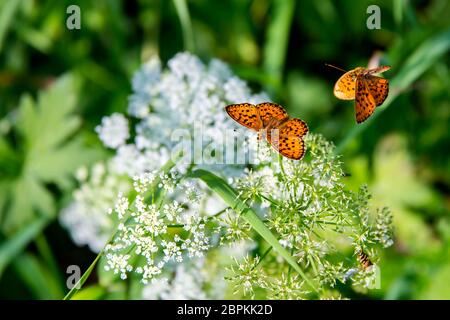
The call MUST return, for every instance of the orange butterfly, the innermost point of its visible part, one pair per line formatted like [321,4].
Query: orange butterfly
[369,91]
[283,133]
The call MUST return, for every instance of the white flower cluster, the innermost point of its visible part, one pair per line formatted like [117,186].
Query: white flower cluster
[113,131]
[188,283]
[312,212]
[188,91]
[188,96]
[161,232]
[86,216]
[167,226]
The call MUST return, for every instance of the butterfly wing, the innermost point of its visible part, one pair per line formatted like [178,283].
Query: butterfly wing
[293,127]
[245,114]
[364,101]
[291,147]
[287,139]
[345,87]
[268,110]
[379,88]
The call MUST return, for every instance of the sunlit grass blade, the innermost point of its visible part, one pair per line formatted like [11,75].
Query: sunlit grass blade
[47,256]
[12,246]
[7,11]
[230,196]
[40,280]
[94,292]
[398,10]
[420,61]
[83,278]
[186,25]
[276,44]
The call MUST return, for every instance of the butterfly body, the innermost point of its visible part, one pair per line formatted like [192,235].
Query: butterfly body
[368,91]
[364,260]
[272,123]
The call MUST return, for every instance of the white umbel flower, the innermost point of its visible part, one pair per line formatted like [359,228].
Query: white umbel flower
[113,131]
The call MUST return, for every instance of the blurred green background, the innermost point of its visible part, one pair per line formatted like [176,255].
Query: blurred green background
[280,46]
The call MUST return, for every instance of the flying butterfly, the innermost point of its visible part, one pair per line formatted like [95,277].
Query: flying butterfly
[361,84]
[282,132]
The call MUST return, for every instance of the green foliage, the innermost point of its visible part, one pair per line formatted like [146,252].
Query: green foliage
[231,198]
[7,10]
[18,242]
[48,154]
[39,279]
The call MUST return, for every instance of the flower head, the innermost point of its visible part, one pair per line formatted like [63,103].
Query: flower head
[113,131]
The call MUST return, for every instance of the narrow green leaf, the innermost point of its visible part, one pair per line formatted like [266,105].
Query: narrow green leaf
[229,195]
[277,40]
[94,292]
[186,25]
[83,278]
[8,10]
[34,37]
[49,259]
[17,243]
[398,10]
[37,278]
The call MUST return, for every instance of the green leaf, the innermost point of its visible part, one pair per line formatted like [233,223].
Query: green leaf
[94,292]
[83,278]
[50,121]
[48,167]
[17,242]
[230,196]
[37,277]
[438,287]
[186,26]
[49,153]
[8,10]
[10,160]
[277,40]
[26,196]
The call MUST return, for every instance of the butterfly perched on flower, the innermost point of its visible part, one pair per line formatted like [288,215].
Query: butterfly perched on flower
[282,132]
[368,90]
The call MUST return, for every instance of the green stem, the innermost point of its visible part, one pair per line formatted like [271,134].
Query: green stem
[83,278]
[13,246]
[313,265]
[229,195]
[263,256]
[186,25]
[277,41]
[46,253]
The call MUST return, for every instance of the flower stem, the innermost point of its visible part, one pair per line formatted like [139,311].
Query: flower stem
[229,195]
[186,25]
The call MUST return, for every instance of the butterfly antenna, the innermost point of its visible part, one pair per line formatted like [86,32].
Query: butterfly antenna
[330,65]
